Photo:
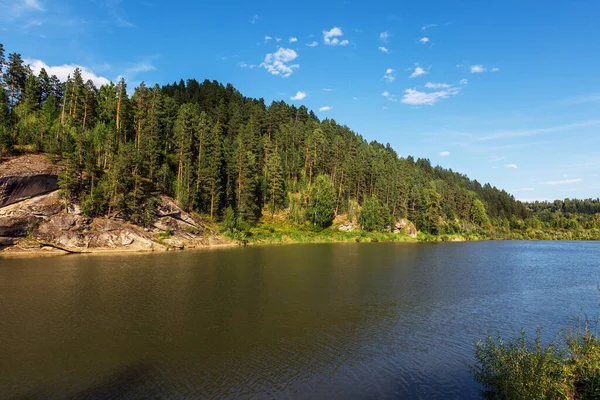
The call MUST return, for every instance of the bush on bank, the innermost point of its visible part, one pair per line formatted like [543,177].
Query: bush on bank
[520,368]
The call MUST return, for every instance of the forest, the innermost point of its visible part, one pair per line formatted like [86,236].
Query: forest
[234,159]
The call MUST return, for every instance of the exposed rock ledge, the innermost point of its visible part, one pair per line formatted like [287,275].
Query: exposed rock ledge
[34,219]
[25,177]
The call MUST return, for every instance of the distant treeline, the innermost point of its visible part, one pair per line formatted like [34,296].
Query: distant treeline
[218,152]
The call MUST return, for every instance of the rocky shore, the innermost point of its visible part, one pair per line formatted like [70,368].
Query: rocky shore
[34,218]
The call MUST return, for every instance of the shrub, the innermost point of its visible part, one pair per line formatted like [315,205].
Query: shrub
[519,368]
[524,369]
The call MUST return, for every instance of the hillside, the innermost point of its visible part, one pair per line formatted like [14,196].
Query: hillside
[235,158]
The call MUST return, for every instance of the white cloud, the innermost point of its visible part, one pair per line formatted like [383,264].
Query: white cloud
[477,69]
[424,40]
[299,96]
[63,71]
[328,90]
[325,108]
[254,19]
[444,153]
[383,49]
[389,75]
[464,81]
[564,182]
[414,97]
[33,5]
[278,63]
[495,69]
[389,96]
[141,67]
[355,98]
[313,44]
[244,65]
[425,27]
[331,37]
[418,72]
[10,9]
[278,39]
[267,38]
[513,166]
[384,36]
[431,85]
[293,40]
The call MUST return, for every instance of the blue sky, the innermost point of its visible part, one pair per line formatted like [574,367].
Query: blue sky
[507,92]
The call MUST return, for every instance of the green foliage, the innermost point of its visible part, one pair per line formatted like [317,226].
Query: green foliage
[372,217]
[322,202]
[297,211]
[479,215]
[228,224]
[520,368]
[583,365]
[166,234]
[527,369]
[6,141]
[68,179]
[211,148]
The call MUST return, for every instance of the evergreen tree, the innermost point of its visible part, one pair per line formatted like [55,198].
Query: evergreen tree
[212,173]
[184,131]
[31,94]
[274,182]
[15,76]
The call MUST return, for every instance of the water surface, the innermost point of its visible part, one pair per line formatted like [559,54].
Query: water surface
[358,321]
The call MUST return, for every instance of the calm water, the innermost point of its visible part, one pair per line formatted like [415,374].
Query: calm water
[363,321]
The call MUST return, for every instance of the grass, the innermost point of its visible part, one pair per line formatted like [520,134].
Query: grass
[520,368]
[278,230]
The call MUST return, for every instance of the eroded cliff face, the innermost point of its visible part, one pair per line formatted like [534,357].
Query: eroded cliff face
[25,177]
[34,218]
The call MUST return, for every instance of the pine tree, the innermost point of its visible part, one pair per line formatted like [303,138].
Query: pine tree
[247,175]
[76,96]
[30,98]
[212,174]
[274,182]
[45,85]
[15,76]
[2,63]
[184,131]
[89,104]
[4,108]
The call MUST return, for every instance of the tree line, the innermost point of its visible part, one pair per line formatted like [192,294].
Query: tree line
[220,153]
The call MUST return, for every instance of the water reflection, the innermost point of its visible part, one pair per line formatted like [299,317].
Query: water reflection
[308,321]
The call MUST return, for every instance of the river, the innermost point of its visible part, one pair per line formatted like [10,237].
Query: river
[356,321]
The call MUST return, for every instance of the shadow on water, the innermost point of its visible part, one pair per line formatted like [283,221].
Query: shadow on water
[136,381]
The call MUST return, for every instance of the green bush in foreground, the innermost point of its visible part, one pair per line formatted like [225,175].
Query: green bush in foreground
[520,368]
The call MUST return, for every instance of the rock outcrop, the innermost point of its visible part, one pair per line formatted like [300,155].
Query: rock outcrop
[33,217]
[404,225]
[26,177]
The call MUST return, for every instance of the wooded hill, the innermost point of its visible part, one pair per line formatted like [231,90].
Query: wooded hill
[221,153]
